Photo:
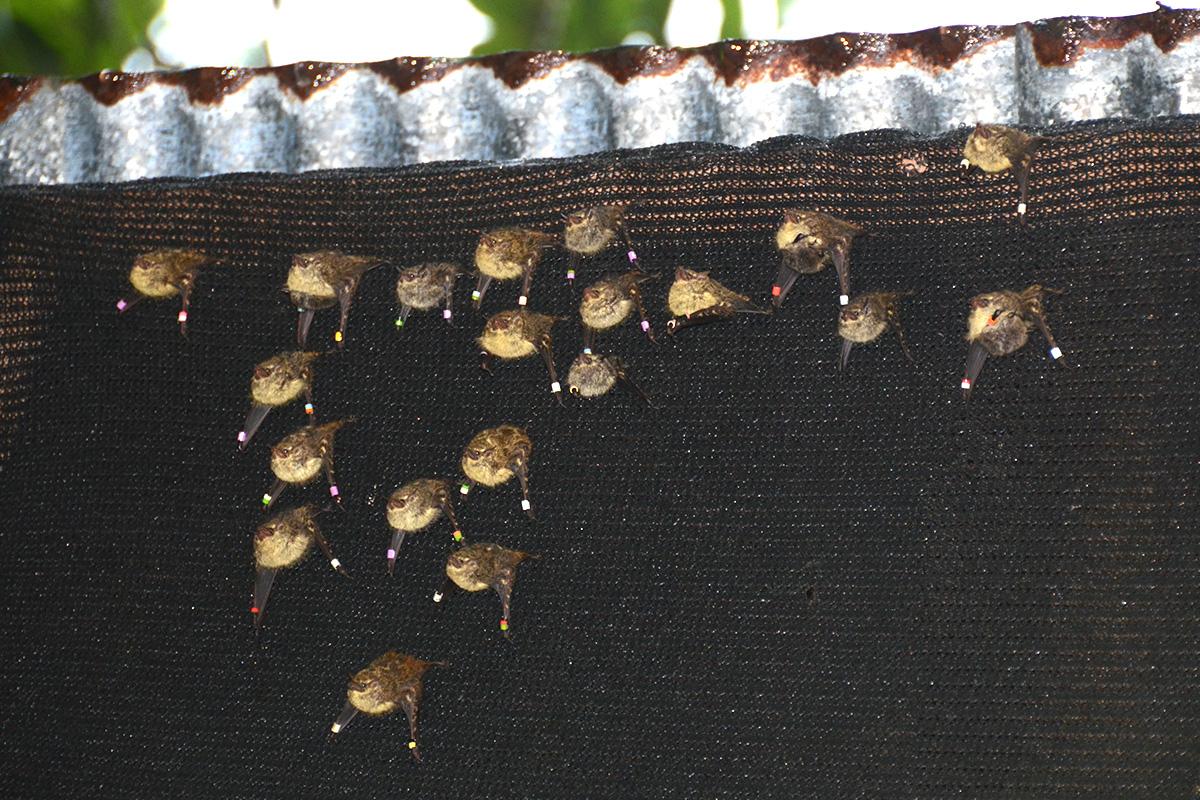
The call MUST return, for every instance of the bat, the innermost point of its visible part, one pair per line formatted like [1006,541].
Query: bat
[477,567]
[696,299]
[808,241]
[494,456]
[280,543]
[323,279]
[276,382]
[997,148]
[394,680]
[519,334]
[999,324]
[161,274]
[414,507]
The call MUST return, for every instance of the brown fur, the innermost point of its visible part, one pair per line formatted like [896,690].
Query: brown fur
[284,539]
[388,682]
[314,278]
[593,375]
[505,253]
[592,230]
[483,566]
[1000,321]
[516,334]
[424,286]
[165,273]
[418,504]
[299,456]
[609,302]
[996,148]
[806,238]
[695,291]
[282,378]
[867,316]
[490,455]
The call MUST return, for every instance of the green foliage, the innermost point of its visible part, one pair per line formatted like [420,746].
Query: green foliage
[71,37]
[784,5]
[582,24]
[77,37]
[731,25]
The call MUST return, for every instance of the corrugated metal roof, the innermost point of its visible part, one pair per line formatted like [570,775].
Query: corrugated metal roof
[122,126]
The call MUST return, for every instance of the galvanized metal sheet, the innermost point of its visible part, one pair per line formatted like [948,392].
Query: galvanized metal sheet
[124,126]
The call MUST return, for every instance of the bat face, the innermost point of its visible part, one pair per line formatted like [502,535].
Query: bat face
[284,539]
[695,291]
[997,148]
[997,321]
[505,336]
[310,280]
[798,231]
[592,375]
[482,566]
[385,683]
[486,566]
[472,568]
[321,273]
[282,378]
[864,319]
[605,304]
[164,273]
[592,230]
[372,690]
[813,230]
[425,286]
[504,254]
[297,459]
[299,456]
[490,456]
[418,504]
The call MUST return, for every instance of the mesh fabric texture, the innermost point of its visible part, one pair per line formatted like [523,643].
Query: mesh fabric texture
[781,582]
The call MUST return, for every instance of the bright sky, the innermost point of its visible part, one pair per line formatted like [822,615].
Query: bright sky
[232,32]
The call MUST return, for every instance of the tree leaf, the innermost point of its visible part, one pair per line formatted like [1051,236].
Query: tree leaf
[575,25]
[74,37]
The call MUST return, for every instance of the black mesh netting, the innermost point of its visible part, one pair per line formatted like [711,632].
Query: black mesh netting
[780,583]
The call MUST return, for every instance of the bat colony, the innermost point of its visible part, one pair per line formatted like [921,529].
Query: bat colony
[998,323]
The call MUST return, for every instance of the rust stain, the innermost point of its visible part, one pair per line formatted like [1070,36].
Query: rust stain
[209,85]
[409,73]
[14,90]
[1056,42]
[519,67]
[111,87]
[308,77]
[624,63]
